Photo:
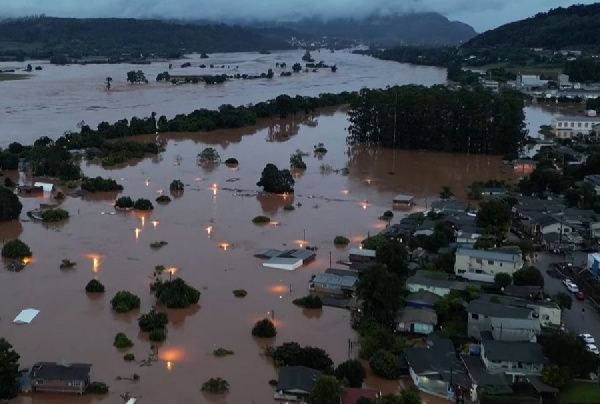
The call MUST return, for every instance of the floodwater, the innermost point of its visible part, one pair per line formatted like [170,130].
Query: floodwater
[208,227]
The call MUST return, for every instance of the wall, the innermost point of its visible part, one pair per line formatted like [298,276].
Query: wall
[510,368]
[555,228]
[483,270]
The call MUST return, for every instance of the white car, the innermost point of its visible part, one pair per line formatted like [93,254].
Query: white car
[587,338]
[592,348]
[571,286]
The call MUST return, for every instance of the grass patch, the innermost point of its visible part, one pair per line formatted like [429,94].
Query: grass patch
[240,293]
[13,76]
[580,392]
[221,352]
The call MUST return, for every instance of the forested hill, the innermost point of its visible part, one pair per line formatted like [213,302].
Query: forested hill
[45,36]
[577,26]
[430,29]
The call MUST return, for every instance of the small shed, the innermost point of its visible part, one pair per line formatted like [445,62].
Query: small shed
[403,201]
[418,321]
[46,186]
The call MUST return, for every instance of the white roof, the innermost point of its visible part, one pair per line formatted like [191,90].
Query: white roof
[289,264]
[131,401]
[45,185]
[362,252]
[26,316]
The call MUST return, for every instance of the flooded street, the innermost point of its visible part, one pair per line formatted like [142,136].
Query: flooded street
[209,227]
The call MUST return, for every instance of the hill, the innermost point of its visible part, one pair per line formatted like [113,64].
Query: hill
[573,27]
[428,29]
[113,37]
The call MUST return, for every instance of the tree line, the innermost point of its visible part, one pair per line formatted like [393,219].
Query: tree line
[583,70]
[438,118]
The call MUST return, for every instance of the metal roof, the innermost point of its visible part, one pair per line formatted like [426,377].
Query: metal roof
[362,252]
[336,280]
[497,310]
[488,255]
[403,198]
[514,351]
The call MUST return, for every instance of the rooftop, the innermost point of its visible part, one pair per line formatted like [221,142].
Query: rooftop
[435,279]
[497,382]
[60,371]
[403,198]
[515,323]
[498,310]
[362,252]
[336,280]
[423,296]
[489,255]
[414,315]
[297,378]
[513,351]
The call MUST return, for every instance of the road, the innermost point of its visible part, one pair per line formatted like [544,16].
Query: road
[574,320]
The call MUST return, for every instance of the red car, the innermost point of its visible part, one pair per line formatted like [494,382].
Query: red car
[579,296]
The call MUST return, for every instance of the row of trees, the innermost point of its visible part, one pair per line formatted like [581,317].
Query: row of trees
[583,70]
[438,118]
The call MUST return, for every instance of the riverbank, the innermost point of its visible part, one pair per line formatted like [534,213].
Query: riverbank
[13,76]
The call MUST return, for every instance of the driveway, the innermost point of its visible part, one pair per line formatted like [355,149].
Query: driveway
[575,320]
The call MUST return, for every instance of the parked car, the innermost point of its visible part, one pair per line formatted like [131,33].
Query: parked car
[580,296]
[592,348]
[571,286]
[587,338]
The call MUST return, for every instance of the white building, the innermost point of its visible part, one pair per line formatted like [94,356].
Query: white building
[484,265]
[569,126]
[529,82]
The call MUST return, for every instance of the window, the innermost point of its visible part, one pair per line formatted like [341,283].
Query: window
[560,124]
[585,125]
[500,264]
[572,124]
[479,261]
[579,124]
[478,271]
[490,262]
[41,382]
[474,316]
[544,317]
[461,271]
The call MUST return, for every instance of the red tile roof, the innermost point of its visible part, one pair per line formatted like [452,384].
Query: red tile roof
[351,395]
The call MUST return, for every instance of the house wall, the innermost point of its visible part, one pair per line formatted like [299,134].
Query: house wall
[511,368]
[547,315]
[573,126]
[72,386]
[555,228]
[483,270]
[415,287]
[514,334]
[327,288]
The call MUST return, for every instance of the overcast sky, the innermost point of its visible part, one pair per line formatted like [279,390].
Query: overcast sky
[481,14]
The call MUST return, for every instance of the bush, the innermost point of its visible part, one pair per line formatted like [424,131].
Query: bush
[384,364]
[163,199]
[54,215]
[297,162]
[289,207]
[264,329]
[97,388]
[125,301]
[158,335]
[16,249]
[143,204]
[231,161]
[220,352]
[309,302]
[158,244]
[388,214]
[341,240]
[215,386]
[124,202]
[100,184]
[176,185]
[129,357]
[121,341]
[152,320]
[261,219]
[177,294]
[66,264]
[352,372]
[10,205]
[94,286]
[240,293]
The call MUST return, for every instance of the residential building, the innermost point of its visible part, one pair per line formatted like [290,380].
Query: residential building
[425,229]
[295,383]
[60,377]
[514,358]
[480,314]
[436,368]
[361,255]
[523,292]
[491,85]
[402,201]
[524,166]
[551,224]
[434,282]
[422,299]
[569,126]
[515,329]
[484,265]
[449,206]
[416,320]
[333,284]
[482,380]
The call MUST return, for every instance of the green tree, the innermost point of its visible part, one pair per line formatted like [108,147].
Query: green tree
[326,390]
[381,293]
[176,294]
[124,301]
[528,276]
[296,162]
[264,329]
[394,256]
[502,280]
[143,204]
[556,376]
[563,300]
[10,206]
[446,192]
[494,217]
[410,396]
[152,320]
[296,67]
[385,364]
[176,185]
[15,249]
[276,181]
[567,350]
[352,372]
[9,370]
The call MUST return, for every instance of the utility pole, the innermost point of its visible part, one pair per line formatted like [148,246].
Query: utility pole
[394,139]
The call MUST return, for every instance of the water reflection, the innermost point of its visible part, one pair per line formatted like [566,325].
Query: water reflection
[177,318]
[271,203]
[312,313]
[95,261]
[10,230]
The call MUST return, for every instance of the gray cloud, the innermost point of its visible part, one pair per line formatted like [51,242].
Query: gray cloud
[482,14]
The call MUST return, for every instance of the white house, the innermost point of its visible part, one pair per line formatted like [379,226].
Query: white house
[569,126]
[551,224]
[484,265]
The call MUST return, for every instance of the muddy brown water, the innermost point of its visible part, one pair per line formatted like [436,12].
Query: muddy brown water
[211,242]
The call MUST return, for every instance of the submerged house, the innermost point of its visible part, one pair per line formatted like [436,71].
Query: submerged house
[60,377]
[402,201]
[287,260]
[333,284]
[361,255]
[295,383]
